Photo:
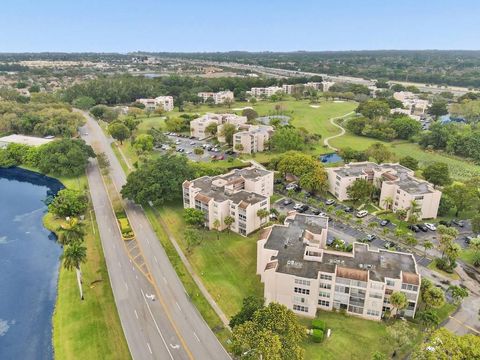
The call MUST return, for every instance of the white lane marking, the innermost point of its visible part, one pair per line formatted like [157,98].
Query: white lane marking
[156,325]
[136,277]
[179,308]
[164,279]
[175,346]
[149,348]
[196,337]
[126,285]
[133,268]
[136,315]
[155,258]
[148,242]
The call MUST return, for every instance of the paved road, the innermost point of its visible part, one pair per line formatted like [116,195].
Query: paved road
[187,335]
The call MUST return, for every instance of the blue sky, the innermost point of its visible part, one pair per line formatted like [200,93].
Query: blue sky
[261,25]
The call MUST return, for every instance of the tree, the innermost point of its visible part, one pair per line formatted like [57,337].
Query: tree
[433,297]
[143,143]
[194,217]
[227,132]
[427,245]
[68,202]
[211,128]
[379,153]
[103,161]
[158,180]
[438,108]
[64,157]
[437,173]
[413,211]
[411,241]
[296,163]
[228,221]
[405,127]
[458,293]
[250,305]
[262,214]
[119,131]
[271,326]
[399,335]
[73,231]
[83,102]
[192,238]
[398,300]
[428,318]
[360,190]
[250,114]
[216,226]
[73,256]
[476,224]
[316,180]
[409,162]
[377,355]
[475,247]
[443,345]
[349,155]
[387,202]
[460,195]
[286,139]
[374,108]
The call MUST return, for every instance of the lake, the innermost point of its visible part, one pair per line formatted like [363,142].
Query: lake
[29,264]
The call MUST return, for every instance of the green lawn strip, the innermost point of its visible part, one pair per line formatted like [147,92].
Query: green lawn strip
[433,266]
[88,329]
[467,256]
[354,338]
[191,288]
[119,156]
[226,266]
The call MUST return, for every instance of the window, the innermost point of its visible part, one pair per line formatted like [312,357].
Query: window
[355,309]
[299,299]
[410,287]
[325,286]
[324,294]
[377,286]
[263,203]
[325,277]
[342,289]
[419,197]
[301,291]
[390,283]
[323,303]
[376,295]
[373,312]
[302,282]
[300,308]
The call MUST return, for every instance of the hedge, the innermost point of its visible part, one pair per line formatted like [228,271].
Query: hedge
[318,324]
[317,335]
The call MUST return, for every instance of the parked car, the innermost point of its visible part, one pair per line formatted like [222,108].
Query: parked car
[370,237]
[308,194]
[422,227]
[361,213]
[468,239]
[278,181]
[348,209]
[316,212]
[384,222]
[297,206]
[286,202]
[389,245]
[330,202]
[322,214]
[414,228]
[445,223]
[273,217]
[457,222]
[431,226]
[293,186]
[303,208]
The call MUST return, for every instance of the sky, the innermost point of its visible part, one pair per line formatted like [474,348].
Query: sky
[249,25]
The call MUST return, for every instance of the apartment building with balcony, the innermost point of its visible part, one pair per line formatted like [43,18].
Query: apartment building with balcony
[239,194]
[398,186]
[260,92]
[251,138]
[165,102]
[199,125]
[299,272]
[218,97]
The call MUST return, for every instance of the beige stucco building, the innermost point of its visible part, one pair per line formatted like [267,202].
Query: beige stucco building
[239,194]
[165,102]
[411,102]
[198,126]
[218,97]
[259,92]
[397,185]
[299,272]
[251,138]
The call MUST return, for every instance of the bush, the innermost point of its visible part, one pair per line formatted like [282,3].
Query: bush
[317,335]
[444,264]
[198,151]
[318,324]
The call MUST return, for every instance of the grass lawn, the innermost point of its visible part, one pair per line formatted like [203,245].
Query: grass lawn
[467,255]
[433,266]
[227,266]
[88,329]
[354,338]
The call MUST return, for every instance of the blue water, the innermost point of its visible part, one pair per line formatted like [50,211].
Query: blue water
[29,262]
[331,158]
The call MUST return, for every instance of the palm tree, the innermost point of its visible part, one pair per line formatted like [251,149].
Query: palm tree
[388,202]
[413,211]
[398,301]
[216,226]
[228,221]
[262,214]
[427,245]
[73,231]
[74,255]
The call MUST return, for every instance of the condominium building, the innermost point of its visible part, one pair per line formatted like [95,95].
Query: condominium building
[239,194]
[299,272]
[326,85]
[259,92]
[411,102]
[398,186]
[288,88]
[165,102]
[314,85]
[218,97]
[251,138]
[199,125]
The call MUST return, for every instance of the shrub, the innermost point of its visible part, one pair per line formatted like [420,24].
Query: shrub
[198,151]
[317,335]
[318,324]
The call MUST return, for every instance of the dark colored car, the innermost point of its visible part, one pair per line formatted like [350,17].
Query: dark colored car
[414,228]
[316,212]
[468,239]
[348,209]
[303,208]
[445,223]
[384,222]
[457,222]
[308,194]
[422,227]
[389,245]
[287,202]
[278,181]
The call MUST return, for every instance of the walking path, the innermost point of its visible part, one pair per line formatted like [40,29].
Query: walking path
[342,130]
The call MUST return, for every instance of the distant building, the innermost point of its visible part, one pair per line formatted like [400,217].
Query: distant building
[299,272]
[259,92]
[411,102]
[394,181]
[314,85]
[218,97]
[326,85]
[199,125]
[251,138]
[239,194]
[165,102]
[24,140]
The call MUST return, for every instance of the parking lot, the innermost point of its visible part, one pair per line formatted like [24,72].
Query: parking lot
[186,145]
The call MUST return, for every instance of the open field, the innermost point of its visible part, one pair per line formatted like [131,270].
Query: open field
[88,329]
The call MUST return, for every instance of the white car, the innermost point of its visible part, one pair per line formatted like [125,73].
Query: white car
[361,213]
[431,226]
[291,186]
[297,206]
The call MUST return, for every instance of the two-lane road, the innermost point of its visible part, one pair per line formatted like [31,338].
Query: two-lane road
[180,329]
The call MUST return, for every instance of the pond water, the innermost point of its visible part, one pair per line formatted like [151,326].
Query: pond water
[29,262]
[331,158]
